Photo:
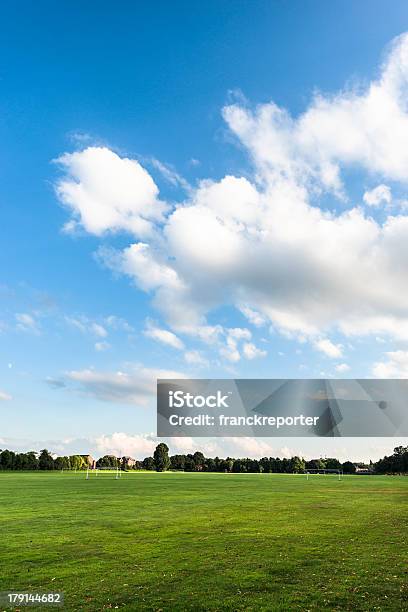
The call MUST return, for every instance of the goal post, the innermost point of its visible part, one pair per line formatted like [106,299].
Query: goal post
[116,472]
[325,472]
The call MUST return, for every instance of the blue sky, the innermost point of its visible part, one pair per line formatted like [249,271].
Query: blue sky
[184,91]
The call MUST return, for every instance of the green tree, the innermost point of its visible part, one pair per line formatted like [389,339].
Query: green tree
[332,464]
[75,462]
[20,462]
[348,467]
[148,463]
[237,466]
[210,465]
[45,461]
[177,462]
[7,459]
[189,463]
[297,465]
[108,461]
[161,457]
[199,461]
[226,465]
[61,463]
[315,464]
[32,461]
[394,464]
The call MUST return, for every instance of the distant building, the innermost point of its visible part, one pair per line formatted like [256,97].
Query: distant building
[362,468]
[89,460]
[128,462]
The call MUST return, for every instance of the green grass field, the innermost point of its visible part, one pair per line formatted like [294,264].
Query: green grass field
[207,541]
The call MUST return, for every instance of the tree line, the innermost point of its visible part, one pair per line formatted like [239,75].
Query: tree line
[397,463]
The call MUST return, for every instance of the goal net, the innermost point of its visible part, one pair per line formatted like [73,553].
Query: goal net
[324,472]
[116,472]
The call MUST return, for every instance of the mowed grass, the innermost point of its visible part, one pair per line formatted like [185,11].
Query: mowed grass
[206,541]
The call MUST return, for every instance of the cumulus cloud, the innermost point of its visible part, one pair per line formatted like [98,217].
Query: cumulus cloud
[366,127]
[254,317]
[4,397]
[195,358]
[142,445]
[118,324]
[252,352]
[378,195]
[105,192]
[394,366]
[326,346]
[99,330]
[122,444]
[230,350]
[263,241]
[251,447]
[342,367]
[239,333]
[135,385]
[164,336]
[231,341]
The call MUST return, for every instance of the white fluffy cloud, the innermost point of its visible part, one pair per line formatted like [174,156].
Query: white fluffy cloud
[253,447]
[326,346]
[230,350]
[254,317]
[239,333]
[99,330]
[118,324]
[105,192]
[195,358]
[342,367]
[122,444]
[4,397]
[135,385]
[230,347]
[378,195]
[264,241]
[366,127]
[164,336]
[395,366]
[252,352]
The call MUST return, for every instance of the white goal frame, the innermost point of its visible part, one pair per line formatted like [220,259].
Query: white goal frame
[324,472]
[117,472]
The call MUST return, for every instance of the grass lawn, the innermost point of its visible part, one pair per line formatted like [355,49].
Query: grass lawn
[207,541]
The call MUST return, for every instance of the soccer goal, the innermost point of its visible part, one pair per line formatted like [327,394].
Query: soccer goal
[115,472]
[325,472]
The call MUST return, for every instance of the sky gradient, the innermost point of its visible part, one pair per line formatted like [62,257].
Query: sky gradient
[207,190]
